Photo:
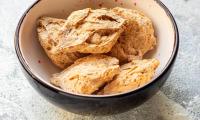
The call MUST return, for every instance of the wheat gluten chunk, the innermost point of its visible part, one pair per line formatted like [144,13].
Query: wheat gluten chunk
[132,75]
[138,37]
[87,74]
[48,29]
[95,33]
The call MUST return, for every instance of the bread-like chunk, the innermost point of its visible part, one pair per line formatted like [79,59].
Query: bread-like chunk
[48,29]
[132,75]
[91,31]
[138,37]
[87,74]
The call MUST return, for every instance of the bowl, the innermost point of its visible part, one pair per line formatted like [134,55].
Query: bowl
[38,68]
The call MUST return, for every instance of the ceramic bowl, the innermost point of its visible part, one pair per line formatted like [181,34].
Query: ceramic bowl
[38,68]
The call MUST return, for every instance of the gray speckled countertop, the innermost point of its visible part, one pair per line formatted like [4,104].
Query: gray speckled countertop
[179,99]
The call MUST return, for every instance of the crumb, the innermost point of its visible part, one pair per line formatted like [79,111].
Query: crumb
[100,4]
[39,61]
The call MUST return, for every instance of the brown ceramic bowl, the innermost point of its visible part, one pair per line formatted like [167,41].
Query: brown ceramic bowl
[38,68]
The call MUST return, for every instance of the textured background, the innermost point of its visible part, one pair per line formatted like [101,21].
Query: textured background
[178,100]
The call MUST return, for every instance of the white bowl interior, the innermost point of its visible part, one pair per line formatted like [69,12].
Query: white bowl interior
[40,64]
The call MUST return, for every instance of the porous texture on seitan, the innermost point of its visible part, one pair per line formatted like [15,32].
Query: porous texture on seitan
[87,74]
[48,29]
[91,31]
[123,34]
[138,37]
[132,75]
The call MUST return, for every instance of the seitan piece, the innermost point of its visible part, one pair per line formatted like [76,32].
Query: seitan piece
[48,29]
[138,37]
[87,74]
[132,75]
[91,31]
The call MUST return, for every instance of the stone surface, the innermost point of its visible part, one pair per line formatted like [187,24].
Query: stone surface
[178,100]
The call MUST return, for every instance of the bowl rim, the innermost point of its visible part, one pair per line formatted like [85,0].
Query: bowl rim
[135,91]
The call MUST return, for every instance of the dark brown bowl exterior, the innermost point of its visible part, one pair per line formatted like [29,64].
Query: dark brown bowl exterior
[99,105]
